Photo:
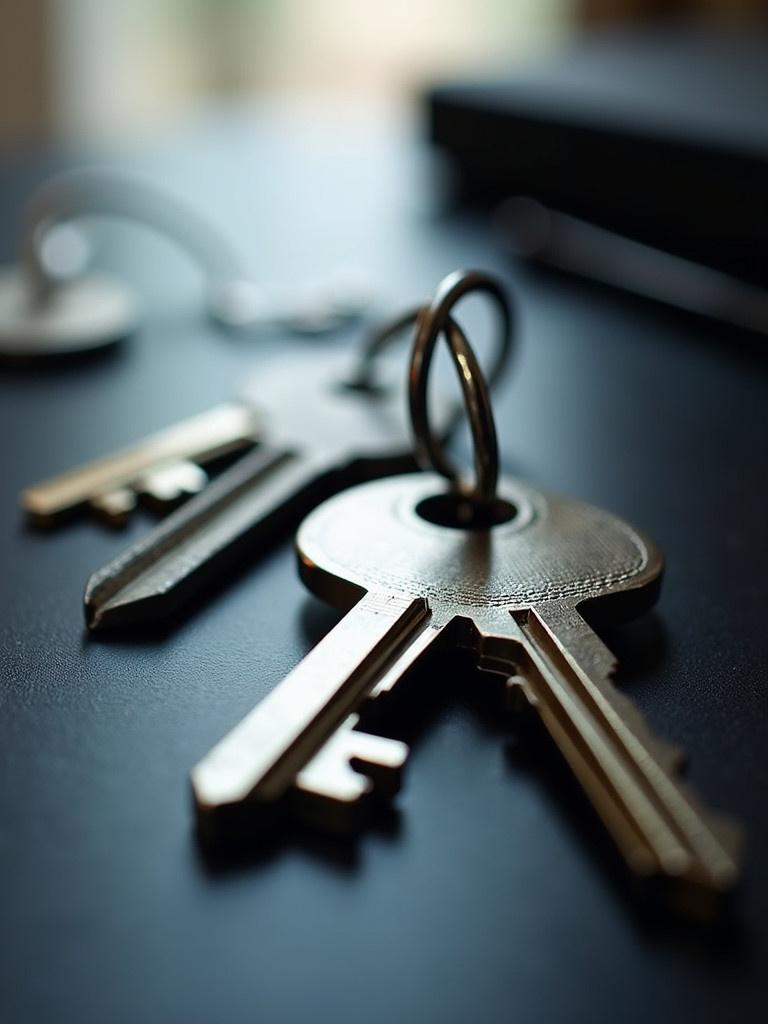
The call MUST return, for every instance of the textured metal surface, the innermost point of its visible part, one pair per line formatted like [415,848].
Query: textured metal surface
[510,595]
[554,548]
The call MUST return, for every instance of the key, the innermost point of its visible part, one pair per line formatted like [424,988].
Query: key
[513,591]
[318,437]
[325,426]
[164,467]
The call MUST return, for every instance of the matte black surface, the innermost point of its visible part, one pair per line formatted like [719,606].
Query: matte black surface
[496,897]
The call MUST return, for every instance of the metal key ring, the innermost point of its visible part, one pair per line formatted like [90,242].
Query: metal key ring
[455,285]
[477,403]
[431,322]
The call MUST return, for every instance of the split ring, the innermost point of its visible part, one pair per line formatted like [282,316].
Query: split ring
[431,322]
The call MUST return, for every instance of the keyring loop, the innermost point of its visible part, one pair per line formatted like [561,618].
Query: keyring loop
[477,403]
[431,322]
[382,337]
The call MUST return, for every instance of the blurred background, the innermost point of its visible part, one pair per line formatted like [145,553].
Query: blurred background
[644,118]
[96,69]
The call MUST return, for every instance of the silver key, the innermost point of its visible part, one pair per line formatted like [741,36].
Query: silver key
[326,425]
[506,578]
[512,595]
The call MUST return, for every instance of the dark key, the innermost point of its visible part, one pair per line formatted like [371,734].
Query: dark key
[326,425]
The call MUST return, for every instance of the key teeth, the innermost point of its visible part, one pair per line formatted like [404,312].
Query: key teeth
[671,756]
[732,839]
[517,695]
[332,788]
[720,875]
[723,873]
[167,485]
[114,507]
[692,850]
[161,488]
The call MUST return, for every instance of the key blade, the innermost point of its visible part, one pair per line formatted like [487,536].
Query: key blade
[244,507]
[338,437]
[660,827]
[331,789]
[260,758]
[354,435]
[225,428]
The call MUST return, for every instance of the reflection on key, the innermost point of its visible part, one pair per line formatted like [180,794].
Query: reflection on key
[510,594]
[162,464]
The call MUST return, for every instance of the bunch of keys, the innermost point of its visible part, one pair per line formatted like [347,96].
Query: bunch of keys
[491,567]
[500,570]
[316,427]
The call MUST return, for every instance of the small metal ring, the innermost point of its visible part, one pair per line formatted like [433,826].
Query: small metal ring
[382,337]
[477,402]
[430,321]
[433,321]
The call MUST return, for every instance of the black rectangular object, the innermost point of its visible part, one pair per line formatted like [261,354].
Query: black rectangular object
[661,134]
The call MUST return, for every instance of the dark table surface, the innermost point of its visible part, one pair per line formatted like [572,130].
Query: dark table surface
[494,894]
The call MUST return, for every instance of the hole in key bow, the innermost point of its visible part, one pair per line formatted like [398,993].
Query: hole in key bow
[461,513]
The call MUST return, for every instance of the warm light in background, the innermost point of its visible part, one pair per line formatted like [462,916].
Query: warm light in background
[112,67]
[95,69]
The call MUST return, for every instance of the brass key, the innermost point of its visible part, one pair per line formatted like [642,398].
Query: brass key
[165,467]
[507,579]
